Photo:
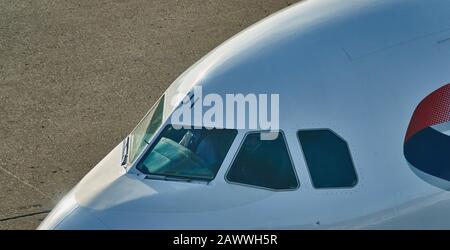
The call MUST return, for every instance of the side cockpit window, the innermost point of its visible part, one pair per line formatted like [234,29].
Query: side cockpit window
[144,131]
[328,159]
[195,153]
[263,163]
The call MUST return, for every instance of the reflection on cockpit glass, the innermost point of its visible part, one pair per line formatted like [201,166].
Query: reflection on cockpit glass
[144,131]
[188,153]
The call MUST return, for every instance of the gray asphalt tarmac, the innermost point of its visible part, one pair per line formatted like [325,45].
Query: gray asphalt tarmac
[76,77]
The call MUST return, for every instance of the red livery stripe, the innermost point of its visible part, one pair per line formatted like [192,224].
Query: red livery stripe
[432,110]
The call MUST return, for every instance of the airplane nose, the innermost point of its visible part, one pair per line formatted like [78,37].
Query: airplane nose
[80,219]
[67,215]
[64,207]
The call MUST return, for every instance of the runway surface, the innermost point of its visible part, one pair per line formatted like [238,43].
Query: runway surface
[77,76]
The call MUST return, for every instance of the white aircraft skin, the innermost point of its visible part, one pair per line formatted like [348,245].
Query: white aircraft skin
[359,68]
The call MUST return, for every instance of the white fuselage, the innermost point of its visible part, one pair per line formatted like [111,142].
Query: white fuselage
[357,67]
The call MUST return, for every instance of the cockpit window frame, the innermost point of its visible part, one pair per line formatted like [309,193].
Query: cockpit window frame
[129,140]
[154,141]
[238,150]
[132,165]
[307,166]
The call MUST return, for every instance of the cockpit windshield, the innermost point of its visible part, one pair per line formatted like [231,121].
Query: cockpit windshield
[194,153]
[144,131]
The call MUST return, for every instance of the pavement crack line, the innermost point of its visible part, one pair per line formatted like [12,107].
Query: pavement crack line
[25,183]
[24,215]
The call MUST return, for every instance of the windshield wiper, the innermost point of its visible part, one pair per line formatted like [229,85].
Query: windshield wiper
[175,178]
[125,152]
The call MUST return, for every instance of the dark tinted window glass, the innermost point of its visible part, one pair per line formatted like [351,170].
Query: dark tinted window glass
[188,153]
[264,163]
[328,159]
